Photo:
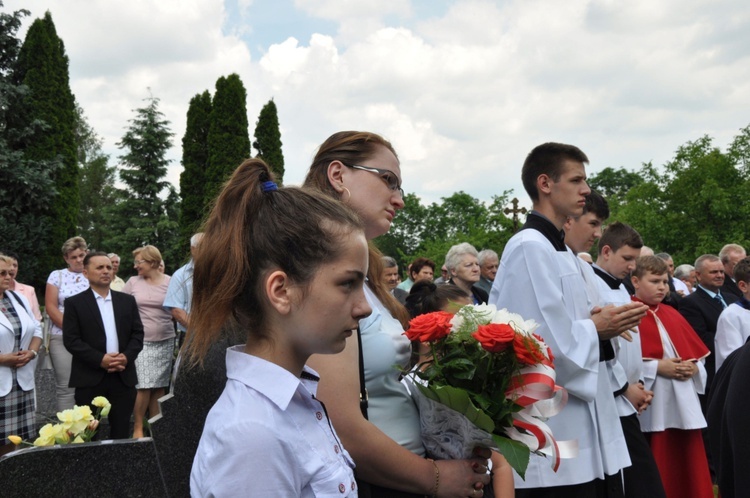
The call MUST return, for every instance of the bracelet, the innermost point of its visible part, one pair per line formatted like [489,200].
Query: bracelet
[437,478]
[35,353]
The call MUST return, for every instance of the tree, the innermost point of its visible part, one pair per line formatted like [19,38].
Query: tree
[268,140]
[142,215]
[42,66]
[228,139]
[27,185]
[195,160]
[96,185]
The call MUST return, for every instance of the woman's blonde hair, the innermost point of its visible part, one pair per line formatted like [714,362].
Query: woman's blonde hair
[72,244]
[149,253]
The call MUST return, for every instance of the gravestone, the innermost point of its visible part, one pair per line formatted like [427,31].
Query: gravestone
[155,467]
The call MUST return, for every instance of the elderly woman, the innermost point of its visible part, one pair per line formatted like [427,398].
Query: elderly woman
[463,267]
[62,284]
[154,363]
[20,339]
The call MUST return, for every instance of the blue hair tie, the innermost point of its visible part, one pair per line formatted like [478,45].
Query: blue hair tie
[268,186]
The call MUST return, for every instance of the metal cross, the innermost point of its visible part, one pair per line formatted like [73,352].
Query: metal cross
[515,212]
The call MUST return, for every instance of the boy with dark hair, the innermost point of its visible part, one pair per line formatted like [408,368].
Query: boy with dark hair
[619,247]
[673,368]
[733,327]
[542,281]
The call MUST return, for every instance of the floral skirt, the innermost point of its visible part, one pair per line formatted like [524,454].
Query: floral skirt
[17,414]
[154,364]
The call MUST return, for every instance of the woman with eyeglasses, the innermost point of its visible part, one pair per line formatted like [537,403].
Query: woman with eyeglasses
[362,170]
[154,363]
[61,284]
[20,339]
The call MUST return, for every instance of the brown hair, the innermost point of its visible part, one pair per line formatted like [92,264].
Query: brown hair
[253,229]
[150,254]
[354,147]
[426,297]
[548,159]
[618,235]
[419,263]
[72,244]
[652,264]
[742,270]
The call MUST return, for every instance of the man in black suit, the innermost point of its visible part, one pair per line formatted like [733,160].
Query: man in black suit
[102,329]
[703,307]
[730,255]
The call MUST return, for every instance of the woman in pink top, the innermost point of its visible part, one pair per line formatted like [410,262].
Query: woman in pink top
[154,363]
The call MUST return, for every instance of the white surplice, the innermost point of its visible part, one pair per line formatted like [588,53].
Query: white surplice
[541,283]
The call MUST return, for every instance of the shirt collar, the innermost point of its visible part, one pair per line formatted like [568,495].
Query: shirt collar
[710,293]
[611,281]
[269,379]
[99,296]
[537,221]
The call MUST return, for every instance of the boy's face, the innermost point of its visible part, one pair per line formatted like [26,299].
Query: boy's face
[582,232]
[568,194]
[651,288]
[619,263]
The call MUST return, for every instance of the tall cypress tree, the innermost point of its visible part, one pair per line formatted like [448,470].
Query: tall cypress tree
[228,138]
[27,185]
[195,164]
[268,139]
[42,66]
[142,214]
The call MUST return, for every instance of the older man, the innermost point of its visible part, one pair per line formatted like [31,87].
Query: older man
[117,283]
[730,255]
[180,291]
[703,307]
[685,273]
[488,264]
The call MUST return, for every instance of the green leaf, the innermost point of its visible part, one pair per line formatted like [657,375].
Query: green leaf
[516,453]
[458,400]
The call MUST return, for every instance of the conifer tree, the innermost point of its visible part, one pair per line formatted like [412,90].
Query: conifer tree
[42,66]
[268,139]
[228,138]
[195,164]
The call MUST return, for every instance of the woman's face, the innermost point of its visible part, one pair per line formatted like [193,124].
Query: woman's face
[5,276]
[142,266]
[370,196]
[467,270]
[75,260]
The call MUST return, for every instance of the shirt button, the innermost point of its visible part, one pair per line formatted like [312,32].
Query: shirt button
[319,415]
[342,488]
[336,448]
[354,486]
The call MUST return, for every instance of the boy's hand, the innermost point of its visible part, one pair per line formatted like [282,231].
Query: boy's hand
[612,321]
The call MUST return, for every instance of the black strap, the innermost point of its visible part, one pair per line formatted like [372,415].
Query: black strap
[19,302]
[362,389]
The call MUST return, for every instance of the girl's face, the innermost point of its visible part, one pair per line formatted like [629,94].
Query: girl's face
[328,310]
[370,195]
[75,260]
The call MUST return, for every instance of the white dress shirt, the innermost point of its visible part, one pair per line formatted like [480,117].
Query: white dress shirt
[268,435]
[108,318]
[732,331]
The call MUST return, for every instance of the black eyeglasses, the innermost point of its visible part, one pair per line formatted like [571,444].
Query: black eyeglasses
[5,273]
[390,179]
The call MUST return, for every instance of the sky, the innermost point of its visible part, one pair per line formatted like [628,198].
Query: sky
[464,89]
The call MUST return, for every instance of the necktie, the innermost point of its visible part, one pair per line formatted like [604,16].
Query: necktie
[720,300]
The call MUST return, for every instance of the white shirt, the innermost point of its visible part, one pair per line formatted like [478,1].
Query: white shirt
[267,435]
[679,285]
[546,285]
[108,319]
[732,331]
[675,404]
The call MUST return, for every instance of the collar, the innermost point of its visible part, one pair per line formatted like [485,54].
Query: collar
[744,303]
[537,221]
[269,379]
[609,279]
[98,296]
[711,293]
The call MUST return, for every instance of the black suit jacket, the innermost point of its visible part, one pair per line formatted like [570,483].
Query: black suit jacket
[84,337]
[702,312]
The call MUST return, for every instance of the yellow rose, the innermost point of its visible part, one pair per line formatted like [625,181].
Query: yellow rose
[46,436]
[78,439]
[100,402]
[15,440]
[76,419]
[62,436]
[105,410]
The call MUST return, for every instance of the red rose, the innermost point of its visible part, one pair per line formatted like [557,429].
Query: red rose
[429,327]
[494,337]
[528,351]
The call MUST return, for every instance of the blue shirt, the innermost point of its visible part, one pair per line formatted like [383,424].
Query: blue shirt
[180,291]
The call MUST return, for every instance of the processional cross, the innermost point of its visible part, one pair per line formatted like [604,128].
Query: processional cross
[516,211]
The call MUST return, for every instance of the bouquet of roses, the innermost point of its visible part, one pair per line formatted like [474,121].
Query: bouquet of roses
[76,425]
[488,381]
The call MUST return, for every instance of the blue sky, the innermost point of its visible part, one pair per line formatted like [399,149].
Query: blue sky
[463,88]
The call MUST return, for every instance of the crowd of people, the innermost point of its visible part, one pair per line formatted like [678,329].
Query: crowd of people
[311,394]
